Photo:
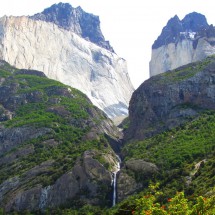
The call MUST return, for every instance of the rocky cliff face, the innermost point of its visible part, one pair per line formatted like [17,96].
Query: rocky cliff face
[55,146]
[182,42]
[58,47]
[170,99]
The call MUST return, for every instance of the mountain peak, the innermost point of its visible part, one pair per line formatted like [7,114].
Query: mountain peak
[194,21]
[175,18]
[169,32]
[76,20]
[62,5]
[175,28]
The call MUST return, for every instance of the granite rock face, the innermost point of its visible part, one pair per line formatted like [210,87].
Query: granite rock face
[62,53]
[170,99]
[182,42]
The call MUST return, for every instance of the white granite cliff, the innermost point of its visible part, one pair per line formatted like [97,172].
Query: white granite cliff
[171,56]
[65,56]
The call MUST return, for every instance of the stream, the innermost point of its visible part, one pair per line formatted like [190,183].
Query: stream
[114,181]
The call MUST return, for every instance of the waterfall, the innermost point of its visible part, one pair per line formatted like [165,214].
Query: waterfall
[115,179]
[44,197]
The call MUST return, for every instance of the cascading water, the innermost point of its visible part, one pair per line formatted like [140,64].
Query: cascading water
[115,180]
[44,197]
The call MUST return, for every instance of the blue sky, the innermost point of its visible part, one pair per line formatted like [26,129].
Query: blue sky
[131,26]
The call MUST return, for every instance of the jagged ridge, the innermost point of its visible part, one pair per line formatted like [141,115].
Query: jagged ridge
[75,19]
[190,27]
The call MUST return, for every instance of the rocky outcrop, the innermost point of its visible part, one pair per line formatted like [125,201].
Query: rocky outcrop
[128,183]
[62,53]
[12,137]
[21,152]
[181,42]
[141,166]
[170,99]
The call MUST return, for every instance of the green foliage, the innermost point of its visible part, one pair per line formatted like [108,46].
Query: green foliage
[67,118]
[4,73]
[185,72]
[148,204]
[6,70]
[176,148]
[176,152]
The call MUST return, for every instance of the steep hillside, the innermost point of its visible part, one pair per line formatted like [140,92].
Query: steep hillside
[168,169]
[170,140]
[170,99]
[56,43]
[181,42]
[54,145]
[185,162]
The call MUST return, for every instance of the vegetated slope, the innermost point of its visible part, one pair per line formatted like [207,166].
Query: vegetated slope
[176,152]
[185,160]
[54,144]
[170,137]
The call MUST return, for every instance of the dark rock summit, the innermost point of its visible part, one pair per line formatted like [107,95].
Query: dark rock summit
[77,20]
[169,32]
[191,26]
[194,22]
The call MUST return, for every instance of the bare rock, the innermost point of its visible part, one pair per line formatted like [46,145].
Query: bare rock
[141,166]
[126,185]
[11,137]
[181,42]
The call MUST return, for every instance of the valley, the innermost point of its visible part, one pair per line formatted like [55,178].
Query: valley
[61,87]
